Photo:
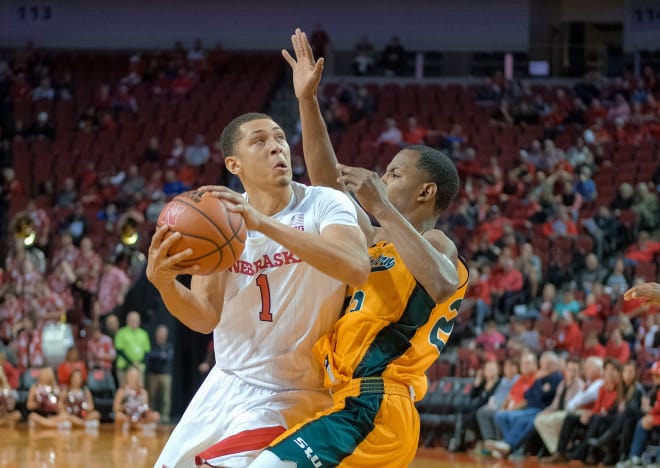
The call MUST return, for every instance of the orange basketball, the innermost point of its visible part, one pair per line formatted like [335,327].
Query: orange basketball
[215,235]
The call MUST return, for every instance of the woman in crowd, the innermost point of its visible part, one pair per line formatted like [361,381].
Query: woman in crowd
[44,403]
[79,404]
[483,388]
[131,405]
[616,438]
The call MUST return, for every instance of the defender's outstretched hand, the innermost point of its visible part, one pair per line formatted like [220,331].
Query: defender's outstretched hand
[306,71]
[648,292]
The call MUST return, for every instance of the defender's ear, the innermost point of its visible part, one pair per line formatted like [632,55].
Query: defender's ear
[427,191]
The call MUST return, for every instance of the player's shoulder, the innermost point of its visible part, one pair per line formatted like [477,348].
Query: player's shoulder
[445,245]
[440,240]
[316,194]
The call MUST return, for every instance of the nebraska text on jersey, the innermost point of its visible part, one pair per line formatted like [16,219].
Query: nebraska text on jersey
[278,259]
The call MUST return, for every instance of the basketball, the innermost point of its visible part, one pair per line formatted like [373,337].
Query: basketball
[215,235]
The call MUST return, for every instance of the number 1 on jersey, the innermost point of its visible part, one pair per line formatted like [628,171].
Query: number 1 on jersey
[264,288]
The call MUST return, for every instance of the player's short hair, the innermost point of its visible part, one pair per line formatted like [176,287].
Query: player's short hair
[442,172]
[230,134]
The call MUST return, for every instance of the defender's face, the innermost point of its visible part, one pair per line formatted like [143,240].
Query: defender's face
[404,180]
[262,155]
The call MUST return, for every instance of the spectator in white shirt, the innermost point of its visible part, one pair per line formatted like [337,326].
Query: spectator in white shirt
[198,153]
[391,135]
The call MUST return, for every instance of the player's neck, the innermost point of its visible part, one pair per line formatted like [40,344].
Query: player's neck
[270,201]
[421,221]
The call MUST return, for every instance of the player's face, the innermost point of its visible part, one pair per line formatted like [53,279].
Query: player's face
[404,181]
[263,154]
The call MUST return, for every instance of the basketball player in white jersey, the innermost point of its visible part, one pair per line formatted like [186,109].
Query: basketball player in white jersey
[268,309]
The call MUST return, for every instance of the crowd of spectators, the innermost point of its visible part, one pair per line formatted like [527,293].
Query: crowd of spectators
[55,272]
[552,248]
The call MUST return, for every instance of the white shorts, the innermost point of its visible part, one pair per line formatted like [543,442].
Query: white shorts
[238,418]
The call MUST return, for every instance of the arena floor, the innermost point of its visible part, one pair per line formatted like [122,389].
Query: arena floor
[20,448]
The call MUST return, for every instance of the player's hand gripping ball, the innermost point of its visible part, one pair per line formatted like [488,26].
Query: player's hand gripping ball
[215,234]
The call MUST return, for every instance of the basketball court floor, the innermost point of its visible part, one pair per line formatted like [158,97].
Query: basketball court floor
[21,448]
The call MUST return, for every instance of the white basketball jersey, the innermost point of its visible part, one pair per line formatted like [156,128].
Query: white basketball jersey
[276,306]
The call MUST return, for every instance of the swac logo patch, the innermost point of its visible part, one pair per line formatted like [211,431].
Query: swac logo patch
[382,263]
[173,211]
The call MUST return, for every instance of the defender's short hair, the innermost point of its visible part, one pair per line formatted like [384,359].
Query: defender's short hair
[441,170]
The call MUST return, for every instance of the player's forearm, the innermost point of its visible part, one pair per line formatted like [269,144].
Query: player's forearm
[434,270]
[347,262]
[193,311]
[320,157]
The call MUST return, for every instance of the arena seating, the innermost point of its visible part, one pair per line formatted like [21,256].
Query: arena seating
[102,386]
[442,407]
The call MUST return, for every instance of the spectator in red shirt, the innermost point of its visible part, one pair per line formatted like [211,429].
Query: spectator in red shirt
[592,346]
[617,348]
[644,250]
[184,82]
[560,225]
[506,285]
[88,270]
[528,369]
[597,133]
[71,361]
[414,134]
[113,286]
[479,297]
[594,112]
[592,309]
[101,351]
[493,226]
[604,411]
[29,344]
[569,336]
